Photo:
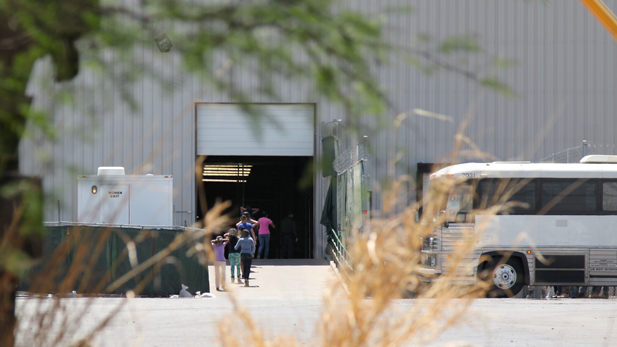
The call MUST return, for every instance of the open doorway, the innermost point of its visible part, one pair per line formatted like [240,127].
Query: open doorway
[276,184]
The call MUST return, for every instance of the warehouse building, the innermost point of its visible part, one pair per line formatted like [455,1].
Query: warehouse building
[561,68]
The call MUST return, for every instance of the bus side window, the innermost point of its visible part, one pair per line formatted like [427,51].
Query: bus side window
[568,196]
[520,194]
[609,196]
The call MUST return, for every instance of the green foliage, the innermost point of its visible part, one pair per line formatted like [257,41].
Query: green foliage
[53,27]
[16,261]
[40,120]
[308,40]
[504,63]
[421,65]
[30,30]
[28,199]
[335,47]
[454,54]
[498,86]
[460,44]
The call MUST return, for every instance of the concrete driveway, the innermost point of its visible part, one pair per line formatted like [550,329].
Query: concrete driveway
[285,298]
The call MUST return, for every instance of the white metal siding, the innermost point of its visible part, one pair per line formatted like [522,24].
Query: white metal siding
[272,130]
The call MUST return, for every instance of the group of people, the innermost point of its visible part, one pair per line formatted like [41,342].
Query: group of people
[259,227]
[240,257]
[576,292]
[242,249]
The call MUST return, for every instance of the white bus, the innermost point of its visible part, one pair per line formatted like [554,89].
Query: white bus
[558,225]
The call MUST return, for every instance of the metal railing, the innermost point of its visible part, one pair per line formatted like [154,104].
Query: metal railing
[340,254]
[574,154]
[348,201]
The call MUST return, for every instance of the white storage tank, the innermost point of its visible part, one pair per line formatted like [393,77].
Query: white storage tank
[111,197]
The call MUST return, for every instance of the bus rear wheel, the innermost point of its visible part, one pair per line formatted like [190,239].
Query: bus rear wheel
[506,277]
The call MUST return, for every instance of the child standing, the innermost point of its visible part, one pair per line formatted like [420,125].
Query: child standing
[219,261]
[234,254]
[246,245]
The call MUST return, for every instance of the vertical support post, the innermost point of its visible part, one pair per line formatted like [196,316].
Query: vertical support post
[567,156]
[339,136]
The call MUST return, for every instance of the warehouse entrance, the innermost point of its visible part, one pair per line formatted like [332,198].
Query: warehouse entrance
[278,185]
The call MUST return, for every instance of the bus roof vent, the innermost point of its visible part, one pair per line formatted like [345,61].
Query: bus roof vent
[599,159]
[111,171]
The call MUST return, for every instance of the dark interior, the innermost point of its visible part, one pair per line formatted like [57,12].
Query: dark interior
[278,185]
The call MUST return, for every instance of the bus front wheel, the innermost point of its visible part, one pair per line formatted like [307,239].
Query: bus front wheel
[506,278]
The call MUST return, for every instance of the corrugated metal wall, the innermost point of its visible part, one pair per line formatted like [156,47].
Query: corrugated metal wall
[564,75]
[563,70]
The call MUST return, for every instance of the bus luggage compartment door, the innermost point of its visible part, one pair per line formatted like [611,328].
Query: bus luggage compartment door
[560,269]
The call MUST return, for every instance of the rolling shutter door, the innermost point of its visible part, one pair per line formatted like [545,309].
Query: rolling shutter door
[280,130]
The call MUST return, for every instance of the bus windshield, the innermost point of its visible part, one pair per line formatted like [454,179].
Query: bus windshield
[460,203]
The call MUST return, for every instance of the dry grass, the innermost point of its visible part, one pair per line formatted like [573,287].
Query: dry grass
[363,311]
[57,322]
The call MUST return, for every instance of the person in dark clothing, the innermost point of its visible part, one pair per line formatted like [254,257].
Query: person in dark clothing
[246,246]
[578,292]
[249,209]
[234,254]
[599,292]
[558,291]
[250,225]
[289,235]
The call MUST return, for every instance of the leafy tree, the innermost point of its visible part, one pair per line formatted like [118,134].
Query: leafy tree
[337,44]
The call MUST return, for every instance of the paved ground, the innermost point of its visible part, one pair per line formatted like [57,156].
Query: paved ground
[286,298]
[280,279]
[533,322]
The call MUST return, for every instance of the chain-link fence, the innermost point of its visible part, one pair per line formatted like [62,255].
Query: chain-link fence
[574,154]
[331,128]
[348,159]
[344,202]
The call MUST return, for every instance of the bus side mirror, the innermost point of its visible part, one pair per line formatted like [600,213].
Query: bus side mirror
[446,224]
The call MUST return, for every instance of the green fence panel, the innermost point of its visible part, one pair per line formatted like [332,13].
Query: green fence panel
[90,258]
[121,264]
[53,238]
[92,252]
[180,269]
